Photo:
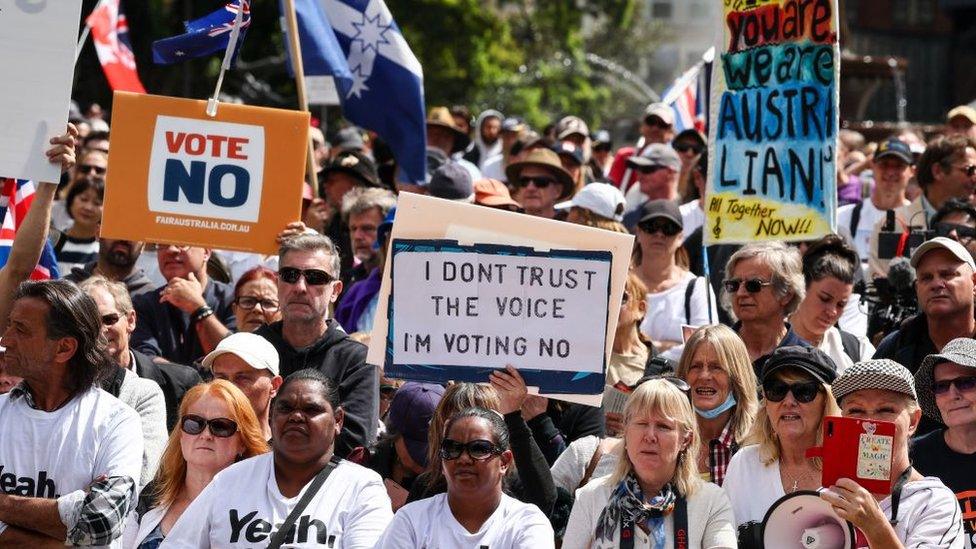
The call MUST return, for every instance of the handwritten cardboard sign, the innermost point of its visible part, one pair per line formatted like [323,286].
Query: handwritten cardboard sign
[459,312]
[38,39]
[487,236]
[178,176]
[773,133]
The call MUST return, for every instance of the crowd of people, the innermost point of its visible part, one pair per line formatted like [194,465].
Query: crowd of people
[163,395]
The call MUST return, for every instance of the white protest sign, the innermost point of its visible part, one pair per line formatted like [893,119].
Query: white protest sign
[38,40]
[487,306]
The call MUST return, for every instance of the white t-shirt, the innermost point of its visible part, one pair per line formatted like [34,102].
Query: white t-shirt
[833,346]
[242,507]
[865,225]
[752,487]
[666,310]
[430,524]
[53,454]
[928,516]
[709,520]
[692,216]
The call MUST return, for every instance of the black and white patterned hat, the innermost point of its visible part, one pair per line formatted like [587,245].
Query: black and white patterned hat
[961,351]
[875,374]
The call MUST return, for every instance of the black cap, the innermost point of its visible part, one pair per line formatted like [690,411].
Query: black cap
[667,209]
[355,164]
[809,359]
[452,182]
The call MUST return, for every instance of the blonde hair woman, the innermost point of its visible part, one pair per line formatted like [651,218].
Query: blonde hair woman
[217,426]
[716,366]
[796,397]
[655,486]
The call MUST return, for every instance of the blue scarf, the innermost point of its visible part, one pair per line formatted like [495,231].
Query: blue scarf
[627,501]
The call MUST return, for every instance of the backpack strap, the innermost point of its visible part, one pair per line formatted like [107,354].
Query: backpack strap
[856,218]
[689,290]
[852,347]
[591,466]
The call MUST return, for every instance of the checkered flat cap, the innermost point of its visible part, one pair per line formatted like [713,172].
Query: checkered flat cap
[874,374]
[961,351]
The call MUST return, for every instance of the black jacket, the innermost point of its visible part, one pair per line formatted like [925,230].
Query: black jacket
[343,360]
[174,379]
[908,345]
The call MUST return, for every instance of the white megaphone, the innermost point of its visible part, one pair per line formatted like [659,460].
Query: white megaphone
[802,520]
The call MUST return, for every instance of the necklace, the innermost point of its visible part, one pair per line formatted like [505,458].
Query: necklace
[805,475]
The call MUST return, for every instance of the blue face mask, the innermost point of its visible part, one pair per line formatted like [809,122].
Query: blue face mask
[718,410]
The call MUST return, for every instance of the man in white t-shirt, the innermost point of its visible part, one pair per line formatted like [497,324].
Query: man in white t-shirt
[70,453]
[893,167]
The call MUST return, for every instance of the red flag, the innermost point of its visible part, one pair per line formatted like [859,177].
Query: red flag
[110,32]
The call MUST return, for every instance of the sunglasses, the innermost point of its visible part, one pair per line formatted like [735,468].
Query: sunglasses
[478,450]
[970,170]
[685,147]
[649,169]
[663,226]
[625,299]
[220,427]
[540,182]
[247,303]
[753,285]
[88,168]
[313,277]
[111,319]
[774,390]
[962,231]
[656,122]
[964,384]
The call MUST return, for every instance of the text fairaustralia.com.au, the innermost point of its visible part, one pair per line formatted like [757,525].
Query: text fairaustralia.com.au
[203,224]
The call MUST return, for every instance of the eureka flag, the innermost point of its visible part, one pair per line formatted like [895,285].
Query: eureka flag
[379,80]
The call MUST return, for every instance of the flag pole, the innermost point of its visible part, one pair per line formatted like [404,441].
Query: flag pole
[295,53]
[228,57]
[86,31]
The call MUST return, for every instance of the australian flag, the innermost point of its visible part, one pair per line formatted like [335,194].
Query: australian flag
[204,36]
[14,204]
[379,80]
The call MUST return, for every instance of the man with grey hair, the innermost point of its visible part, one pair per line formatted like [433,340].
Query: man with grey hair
[363,210]
[763,286]
[306,337]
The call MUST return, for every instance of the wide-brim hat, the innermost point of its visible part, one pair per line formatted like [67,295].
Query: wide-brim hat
[441,117]
[961,351]
[355,164]
[549,161]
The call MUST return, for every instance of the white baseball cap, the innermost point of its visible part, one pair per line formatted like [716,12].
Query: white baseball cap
[253,349]
[948,244]
[602,199]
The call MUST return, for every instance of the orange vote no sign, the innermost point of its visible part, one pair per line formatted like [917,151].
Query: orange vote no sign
[178,176]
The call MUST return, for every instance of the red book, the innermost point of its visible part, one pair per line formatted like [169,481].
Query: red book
[858,449]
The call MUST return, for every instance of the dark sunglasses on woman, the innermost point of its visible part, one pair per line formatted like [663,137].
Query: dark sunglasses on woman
[539,181]
[964,384]
[220,427]
[685,147]
[313,277]
[663,226]
[479,450]
[753,285]
[774,390]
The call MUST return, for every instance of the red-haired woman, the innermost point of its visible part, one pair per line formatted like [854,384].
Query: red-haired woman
[217,427]
[256,299]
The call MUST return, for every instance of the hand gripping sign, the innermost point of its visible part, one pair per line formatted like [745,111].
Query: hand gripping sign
[179,176]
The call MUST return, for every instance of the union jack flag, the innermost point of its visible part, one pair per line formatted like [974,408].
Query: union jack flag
[110,34]
[14,204]
[689,96]
[204,36]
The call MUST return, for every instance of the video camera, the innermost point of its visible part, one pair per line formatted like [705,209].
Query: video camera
[896,243]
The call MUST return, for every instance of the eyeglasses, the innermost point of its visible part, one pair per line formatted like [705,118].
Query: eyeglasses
[963,232]
[111,319]
[963,384]
[247,303]
[753,285]
[774,390]
[540,182]
[656,122]
[969,170]
[313,277]
[179,249]
[88,168]
[685,147]
[220,427]
[663,226]
[478,450]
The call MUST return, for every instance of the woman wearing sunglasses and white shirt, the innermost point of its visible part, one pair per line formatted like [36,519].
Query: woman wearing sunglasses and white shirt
[216,427]
[475,512]
[795,398]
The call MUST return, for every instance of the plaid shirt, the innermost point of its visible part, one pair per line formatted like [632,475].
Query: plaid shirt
[720,452]
[96,515]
